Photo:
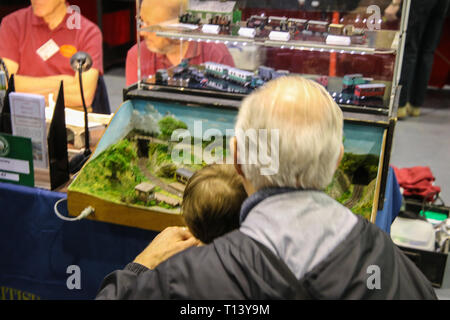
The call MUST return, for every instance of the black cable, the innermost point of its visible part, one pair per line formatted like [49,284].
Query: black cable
[5,69]
[87,150]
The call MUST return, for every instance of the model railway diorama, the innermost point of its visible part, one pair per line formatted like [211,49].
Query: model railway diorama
[134,167]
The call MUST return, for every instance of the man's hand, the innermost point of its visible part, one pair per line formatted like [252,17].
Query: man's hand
[391,12]
[167,243]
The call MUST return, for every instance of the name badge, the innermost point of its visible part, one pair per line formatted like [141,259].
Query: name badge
[47,50]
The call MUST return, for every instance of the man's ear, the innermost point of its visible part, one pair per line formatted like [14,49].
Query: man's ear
[247,184]
[341,155]
[234,150]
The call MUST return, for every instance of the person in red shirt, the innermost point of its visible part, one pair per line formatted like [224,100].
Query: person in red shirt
[37,42]
[162,53]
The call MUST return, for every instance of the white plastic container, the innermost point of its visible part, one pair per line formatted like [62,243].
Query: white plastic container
[413,233]
[211,28]
[279,36]
[247,32]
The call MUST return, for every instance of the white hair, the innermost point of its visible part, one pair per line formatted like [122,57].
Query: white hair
[310,128]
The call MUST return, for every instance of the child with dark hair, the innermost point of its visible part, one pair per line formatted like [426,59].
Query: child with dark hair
[212,201]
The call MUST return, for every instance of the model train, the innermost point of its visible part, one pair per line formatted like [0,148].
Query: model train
[299,28]
[243,77]
[360,86]
[183,175]
[225,78]
[221,71]
[370,90]
[351,80]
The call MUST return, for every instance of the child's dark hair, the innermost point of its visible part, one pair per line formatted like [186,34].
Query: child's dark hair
[212,201]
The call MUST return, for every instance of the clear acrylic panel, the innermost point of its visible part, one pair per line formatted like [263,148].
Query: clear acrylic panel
[351,47]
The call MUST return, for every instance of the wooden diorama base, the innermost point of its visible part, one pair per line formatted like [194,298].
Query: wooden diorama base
[154,218]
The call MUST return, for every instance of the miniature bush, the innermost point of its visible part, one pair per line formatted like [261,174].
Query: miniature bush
[118,158]
[167,170]
[169,124]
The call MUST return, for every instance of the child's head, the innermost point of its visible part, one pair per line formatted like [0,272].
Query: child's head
[212,201]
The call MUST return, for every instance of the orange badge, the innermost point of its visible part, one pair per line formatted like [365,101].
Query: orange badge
[67,50]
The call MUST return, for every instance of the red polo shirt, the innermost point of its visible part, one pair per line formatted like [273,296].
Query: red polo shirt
[199,52]
[22,34]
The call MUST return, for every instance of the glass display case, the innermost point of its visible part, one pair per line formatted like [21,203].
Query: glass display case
[192,68]
[348,46]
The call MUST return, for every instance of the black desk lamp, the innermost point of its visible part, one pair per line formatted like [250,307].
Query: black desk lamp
[81,62]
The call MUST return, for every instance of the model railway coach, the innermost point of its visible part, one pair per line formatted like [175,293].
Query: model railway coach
[183,175]
[370,90]
[222,71]
[268,73]
[243,77]
[216,69]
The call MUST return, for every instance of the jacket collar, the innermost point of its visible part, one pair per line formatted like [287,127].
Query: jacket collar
[259,196]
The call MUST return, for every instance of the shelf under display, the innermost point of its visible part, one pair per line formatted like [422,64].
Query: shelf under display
[384,47]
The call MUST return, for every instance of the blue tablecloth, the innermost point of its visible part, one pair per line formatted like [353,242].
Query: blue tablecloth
[36,247]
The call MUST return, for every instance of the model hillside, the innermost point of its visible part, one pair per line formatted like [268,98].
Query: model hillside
[139,170]
[354,183]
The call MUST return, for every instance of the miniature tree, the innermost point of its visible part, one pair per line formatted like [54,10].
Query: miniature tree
[169,124]
[167,170]
[116,163]
[119,157]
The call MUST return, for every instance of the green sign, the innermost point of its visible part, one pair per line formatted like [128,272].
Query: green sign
[16,160]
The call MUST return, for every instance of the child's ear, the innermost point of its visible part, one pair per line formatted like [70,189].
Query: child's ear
[234,150]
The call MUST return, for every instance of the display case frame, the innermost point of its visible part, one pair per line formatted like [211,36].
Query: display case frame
[378,42]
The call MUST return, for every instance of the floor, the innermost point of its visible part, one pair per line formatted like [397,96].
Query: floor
[425,140]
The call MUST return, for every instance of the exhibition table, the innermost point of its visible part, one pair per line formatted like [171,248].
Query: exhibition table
[38,250]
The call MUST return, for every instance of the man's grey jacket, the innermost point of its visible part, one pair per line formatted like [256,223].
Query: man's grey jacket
[292,244]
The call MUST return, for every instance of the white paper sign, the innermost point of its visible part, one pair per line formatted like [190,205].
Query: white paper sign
[9,176]
[28,120]
[14,165]
[211,28]
[47,50]
[279,36]
[338,40]
[247,32]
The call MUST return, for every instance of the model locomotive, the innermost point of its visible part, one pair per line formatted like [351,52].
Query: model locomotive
[298,29]
[243,77]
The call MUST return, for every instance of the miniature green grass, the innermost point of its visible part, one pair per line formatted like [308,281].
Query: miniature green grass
[112,175]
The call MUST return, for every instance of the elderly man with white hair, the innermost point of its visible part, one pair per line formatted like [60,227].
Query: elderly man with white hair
[294,242]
